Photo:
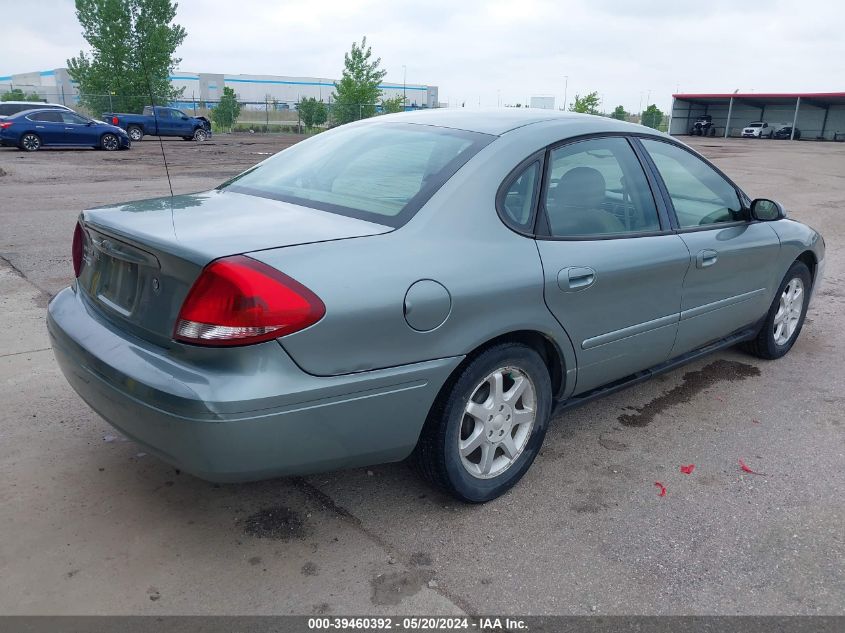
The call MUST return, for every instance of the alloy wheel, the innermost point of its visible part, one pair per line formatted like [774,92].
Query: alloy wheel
[498,421]
[31,142]
[789,311]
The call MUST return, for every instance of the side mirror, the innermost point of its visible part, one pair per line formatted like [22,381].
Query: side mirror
[184,118]
[767,210]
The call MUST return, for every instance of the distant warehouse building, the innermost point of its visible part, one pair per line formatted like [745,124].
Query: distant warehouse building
[56,85]
[818,116]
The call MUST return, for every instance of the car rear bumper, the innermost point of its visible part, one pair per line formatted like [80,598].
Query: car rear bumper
[239,414]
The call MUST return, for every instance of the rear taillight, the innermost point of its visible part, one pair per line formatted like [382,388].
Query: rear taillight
[6,124]
[78,249]
[114,120]
[239,300]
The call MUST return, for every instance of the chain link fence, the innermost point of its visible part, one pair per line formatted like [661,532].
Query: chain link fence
[270,115]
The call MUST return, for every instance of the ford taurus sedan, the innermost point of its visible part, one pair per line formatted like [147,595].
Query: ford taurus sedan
[435,284]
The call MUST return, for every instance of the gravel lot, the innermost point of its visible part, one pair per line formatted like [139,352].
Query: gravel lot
[91,525]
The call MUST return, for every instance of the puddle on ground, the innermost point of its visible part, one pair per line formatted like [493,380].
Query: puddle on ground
[694,382]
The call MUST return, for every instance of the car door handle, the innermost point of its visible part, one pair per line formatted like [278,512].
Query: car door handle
[576,278]
[706,258]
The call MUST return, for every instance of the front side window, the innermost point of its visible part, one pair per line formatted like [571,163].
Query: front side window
[699,194]
[70,117]
[383,173]
[597,187]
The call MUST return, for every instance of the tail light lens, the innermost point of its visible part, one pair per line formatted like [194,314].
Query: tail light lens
[6,124]
[114,120]
[239,300]
[78,249]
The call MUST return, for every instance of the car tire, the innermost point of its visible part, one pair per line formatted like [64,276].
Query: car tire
[135,133]
[785,317]
[200,135]
[110,142]
[30,142]
[488,464]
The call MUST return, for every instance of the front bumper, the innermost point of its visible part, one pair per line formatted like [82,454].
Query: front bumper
[239,414]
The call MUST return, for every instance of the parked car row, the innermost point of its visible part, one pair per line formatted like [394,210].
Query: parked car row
[703,126]
[763,129]
[30,126]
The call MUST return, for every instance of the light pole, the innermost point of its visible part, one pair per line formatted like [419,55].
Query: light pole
[404,85]
[565,90]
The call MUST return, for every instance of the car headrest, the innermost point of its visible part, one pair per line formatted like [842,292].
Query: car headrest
[582,187]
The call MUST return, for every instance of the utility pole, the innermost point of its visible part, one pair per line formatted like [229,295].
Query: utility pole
[404,86]
[565,90]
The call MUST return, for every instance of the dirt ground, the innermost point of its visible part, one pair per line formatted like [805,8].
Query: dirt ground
[89,524]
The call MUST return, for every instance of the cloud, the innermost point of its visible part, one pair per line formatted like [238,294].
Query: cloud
[480,50]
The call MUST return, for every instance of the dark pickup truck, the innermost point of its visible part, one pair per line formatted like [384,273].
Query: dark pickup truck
[161,121]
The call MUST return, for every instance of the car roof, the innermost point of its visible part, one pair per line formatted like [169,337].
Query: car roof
[23,113]
[38,104]
[503,120]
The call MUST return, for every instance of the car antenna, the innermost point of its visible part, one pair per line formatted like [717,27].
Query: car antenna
[155,115]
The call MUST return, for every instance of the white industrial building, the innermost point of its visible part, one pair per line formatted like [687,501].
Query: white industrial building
[819,115]
[56,85]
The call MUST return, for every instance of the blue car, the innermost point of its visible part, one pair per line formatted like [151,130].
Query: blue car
[33,129]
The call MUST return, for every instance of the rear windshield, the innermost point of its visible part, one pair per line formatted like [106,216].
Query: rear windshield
[382,173]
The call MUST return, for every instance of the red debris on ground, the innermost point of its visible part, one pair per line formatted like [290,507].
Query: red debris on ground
[746,468]
[687,470]
[662,492]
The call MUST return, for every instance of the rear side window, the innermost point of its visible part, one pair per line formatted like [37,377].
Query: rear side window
[382,173]
[46,117]
[699,194]
[598,187]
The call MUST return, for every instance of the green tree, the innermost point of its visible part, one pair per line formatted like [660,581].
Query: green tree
[652,117]
[619,113]
[132,53]
[588,104]
[396,104]
[16,94]
[312,112]
[227,110]
[358,92]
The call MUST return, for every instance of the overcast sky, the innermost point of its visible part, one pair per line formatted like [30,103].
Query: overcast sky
[489,51]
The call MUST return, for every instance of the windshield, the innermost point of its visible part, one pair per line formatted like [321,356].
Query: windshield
[383,173]
[755,125]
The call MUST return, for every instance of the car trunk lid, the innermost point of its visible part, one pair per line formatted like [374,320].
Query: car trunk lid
[141,258]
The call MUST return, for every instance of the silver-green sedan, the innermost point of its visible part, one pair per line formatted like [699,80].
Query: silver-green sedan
[433,284]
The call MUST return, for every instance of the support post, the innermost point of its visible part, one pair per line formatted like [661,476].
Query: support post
[671,115]
[824,121]
[795,118]
[728,122]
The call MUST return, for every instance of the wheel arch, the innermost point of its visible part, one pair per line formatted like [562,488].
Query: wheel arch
[542,344]
[808,257]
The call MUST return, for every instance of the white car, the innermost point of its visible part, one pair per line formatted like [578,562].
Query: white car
[758,129]
[8,108]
